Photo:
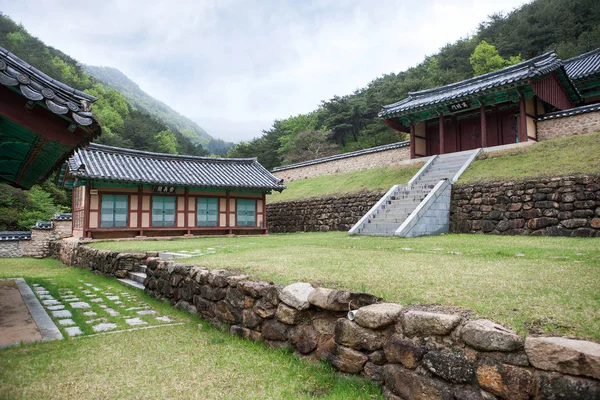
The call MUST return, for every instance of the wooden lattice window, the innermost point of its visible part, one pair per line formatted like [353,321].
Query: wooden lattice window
[163,211]
[246,212]
[207,211]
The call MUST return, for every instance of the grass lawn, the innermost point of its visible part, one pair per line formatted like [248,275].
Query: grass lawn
[573,155]
[180,361]
[381,179]
[532,284]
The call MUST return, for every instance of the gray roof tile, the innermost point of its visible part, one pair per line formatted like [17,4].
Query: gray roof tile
[35,85]
[583,66]
[100,162]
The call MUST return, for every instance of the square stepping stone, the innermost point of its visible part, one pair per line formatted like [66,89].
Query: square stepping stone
[36,284]
[135,321]
[90,313]
[146,312]
[136,308]
[74,331]
[66,322]
[91,295]
[111,312]
[54,308]
[112,297]
[93,321]
[97,300]
[72,299]
[87,284]
[50,302]
[80,304]
[96,289]
[164,318]
[104,327]
[102,305]
[42,292]
[62,314]
[86,291]
[46,297]
[118,302]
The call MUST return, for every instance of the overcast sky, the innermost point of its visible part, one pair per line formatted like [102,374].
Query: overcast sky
[234,66]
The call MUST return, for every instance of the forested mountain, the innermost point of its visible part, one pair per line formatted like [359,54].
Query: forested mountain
[350,122]
[113,78]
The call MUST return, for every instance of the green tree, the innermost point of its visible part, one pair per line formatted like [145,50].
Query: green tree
[486,59]
[166,142]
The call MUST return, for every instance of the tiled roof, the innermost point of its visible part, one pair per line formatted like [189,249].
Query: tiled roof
[583,66]
[15,235]
[344,155]
[570,112]
[37,86]
[512,75]
[99,162]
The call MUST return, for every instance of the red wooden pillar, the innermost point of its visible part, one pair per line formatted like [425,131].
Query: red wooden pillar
[186,195]
[522,119]
[86,210]
[412,140]
[484,138]
[442,140]
[139,208]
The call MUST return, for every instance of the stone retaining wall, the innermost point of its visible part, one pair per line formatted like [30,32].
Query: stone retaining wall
[567,206]
[568,126]
[321,214]
[413,352]
[357,163]
[103,262]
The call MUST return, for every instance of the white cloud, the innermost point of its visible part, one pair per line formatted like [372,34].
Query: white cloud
[239,64]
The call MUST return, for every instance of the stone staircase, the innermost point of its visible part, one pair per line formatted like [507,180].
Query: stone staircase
[135,279]
[404,204]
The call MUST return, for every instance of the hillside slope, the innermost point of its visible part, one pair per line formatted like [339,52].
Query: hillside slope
[116,79]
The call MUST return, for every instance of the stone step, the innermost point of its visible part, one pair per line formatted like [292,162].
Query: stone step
[141,268]
[130,283]
[137,276]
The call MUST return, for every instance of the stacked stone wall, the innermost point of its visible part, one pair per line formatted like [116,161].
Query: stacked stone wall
[568,126]
[39,244]
[103,262]
[414,352]
[565,206]
[366,161]
[11,248]
[321,214]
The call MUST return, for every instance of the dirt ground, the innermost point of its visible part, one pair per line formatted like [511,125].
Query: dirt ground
[16,323]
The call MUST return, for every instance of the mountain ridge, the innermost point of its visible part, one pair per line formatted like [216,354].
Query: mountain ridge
[116,79]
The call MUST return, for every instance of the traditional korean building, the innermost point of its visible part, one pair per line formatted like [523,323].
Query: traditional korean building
[41,122]
[497,108]
[120,193]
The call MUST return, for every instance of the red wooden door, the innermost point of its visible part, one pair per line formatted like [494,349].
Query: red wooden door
[508,123]
[470,134]
[433,138]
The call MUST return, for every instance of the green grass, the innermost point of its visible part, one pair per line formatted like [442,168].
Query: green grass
[375,179]
[573,155]
[533,284]
[192,360]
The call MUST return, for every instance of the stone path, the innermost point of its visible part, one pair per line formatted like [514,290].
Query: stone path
[102,310]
